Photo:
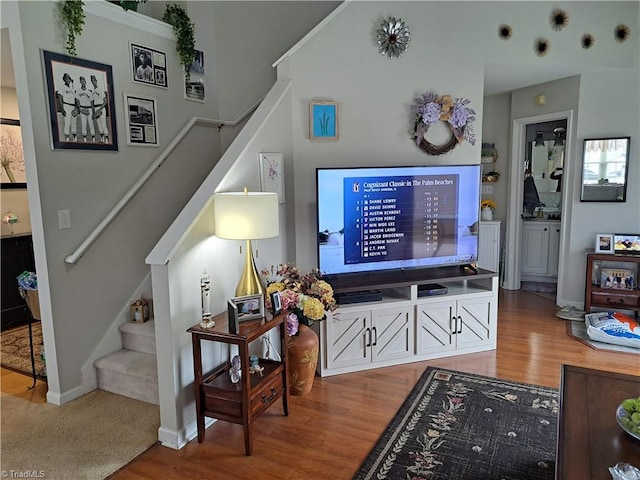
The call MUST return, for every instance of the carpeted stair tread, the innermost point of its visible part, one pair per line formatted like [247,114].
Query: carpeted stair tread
[129,373]
[140,337]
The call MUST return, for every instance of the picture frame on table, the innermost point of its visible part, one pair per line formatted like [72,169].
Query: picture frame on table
[141,120]
[324,120]
[604,243]
[241,309]
[271,174]
[81,103]
[276,303]
[148,66]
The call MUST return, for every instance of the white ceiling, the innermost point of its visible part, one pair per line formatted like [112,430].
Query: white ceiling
[497,78]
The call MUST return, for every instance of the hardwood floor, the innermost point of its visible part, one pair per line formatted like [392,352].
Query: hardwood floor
[332,429]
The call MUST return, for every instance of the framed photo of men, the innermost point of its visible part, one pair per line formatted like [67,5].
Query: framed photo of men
[148,66]
[81,104]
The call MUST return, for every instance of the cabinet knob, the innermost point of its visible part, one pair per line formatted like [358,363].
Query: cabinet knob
[545,229]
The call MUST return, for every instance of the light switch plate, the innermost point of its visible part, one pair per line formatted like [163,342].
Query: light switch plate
[487,189]
[64,219]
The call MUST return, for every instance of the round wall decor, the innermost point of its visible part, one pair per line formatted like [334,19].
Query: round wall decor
[393,37]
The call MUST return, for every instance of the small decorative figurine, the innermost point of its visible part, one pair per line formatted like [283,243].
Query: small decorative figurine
[235,371]
[205,296]
[255,366]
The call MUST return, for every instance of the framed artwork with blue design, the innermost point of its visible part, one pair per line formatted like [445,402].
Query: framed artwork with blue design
[324,120]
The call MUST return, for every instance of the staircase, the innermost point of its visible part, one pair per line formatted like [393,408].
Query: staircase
[132,371]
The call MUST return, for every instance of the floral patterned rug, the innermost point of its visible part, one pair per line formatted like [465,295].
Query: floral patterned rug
[455,425]
[16,354]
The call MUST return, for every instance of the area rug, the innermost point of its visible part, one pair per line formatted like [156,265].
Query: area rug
[578,331]
[88,438]
[541,287]
[455,425]
[15,351]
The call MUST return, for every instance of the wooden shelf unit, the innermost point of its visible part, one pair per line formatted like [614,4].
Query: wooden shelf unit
[242,402]
[602,297]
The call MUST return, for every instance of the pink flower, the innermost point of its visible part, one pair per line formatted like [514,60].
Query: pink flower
[292,324]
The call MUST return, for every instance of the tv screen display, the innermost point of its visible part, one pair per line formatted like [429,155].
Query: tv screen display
[385,218]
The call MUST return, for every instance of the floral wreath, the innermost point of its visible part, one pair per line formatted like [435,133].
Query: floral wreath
[429,108]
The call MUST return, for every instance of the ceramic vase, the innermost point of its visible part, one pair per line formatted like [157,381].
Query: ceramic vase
[486,214]
[303,358]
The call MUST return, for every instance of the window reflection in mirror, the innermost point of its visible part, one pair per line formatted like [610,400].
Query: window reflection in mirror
[604,169]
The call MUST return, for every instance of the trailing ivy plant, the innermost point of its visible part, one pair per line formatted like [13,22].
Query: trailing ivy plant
[72,12]
[185,32]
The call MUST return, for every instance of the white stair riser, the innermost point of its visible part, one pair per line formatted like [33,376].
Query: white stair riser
[128,386]
[138,343]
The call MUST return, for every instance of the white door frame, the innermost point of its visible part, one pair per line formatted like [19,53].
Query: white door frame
[516,193]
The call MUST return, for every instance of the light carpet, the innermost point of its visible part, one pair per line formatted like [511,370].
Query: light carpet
[88,438]
[460,426]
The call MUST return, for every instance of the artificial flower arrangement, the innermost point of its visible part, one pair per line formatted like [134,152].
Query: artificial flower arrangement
[307,296]
[430,108]
[488,204]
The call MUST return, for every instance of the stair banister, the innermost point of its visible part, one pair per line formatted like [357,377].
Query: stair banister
[115,211]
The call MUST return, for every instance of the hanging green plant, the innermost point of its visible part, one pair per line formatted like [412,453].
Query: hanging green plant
[72,12]
[185,32]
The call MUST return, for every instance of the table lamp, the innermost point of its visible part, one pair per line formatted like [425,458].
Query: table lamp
[246,216]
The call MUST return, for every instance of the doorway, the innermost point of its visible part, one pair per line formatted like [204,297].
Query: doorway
[514,234]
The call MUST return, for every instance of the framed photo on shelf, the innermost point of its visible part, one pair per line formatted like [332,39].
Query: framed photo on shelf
[276,303]
[604,243]
[81,103]
[271,175]
[141,120]
[626,243]
[241,309]
[148,66]
[324,120]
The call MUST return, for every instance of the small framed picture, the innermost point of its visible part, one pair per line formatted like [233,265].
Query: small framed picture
[604,243]
[276,303]
[271,176]
[141,120]
[148,66]
[245,308]
[194,88]
[324,120]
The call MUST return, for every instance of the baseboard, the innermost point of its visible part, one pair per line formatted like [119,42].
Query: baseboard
[62,398]
[176,440]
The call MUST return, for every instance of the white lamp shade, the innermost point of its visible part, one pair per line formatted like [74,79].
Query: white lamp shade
[246,215]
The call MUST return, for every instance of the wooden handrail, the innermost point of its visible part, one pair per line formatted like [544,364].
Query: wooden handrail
[115,211]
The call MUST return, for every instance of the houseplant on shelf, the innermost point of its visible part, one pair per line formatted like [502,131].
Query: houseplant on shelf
[307,298]
[185,32]
[487,207]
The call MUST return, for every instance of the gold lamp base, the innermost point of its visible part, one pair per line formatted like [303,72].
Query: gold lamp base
[250,283]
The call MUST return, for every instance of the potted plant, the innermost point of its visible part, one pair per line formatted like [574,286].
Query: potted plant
[308,298]
[185,32]
[72,14]
[487,207]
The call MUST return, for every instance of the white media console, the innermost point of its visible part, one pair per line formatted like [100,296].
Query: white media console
[407,327]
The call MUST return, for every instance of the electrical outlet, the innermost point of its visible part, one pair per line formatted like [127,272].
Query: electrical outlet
[487,189]
[64,219]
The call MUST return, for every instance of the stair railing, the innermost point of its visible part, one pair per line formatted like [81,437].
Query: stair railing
[124,201]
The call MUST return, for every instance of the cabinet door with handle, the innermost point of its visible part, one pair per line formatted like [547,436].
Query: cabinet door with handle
[474,323]
[349,337]
[437,324]
[392,334]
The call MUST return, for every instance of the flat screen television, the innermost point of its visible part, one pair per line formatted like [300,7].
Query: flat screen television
[393,218]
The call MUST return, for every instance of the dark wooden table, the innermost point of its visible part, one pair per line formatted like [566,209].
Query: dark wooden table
[589,437]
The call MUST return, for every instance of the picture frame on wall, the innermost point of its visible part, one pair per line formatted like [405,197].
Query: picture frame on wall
[148,66]
[604,243]
[241,309]
[141,120]
[12,174]
[81,103]
[271,174]
[324,120]
[194,88]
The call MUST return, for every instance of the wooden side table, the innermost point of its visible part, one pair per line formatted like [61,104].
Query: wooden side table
[242,402]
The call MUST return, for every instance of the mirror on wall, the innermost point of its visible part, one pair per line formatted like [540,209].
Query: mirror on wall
[604,169]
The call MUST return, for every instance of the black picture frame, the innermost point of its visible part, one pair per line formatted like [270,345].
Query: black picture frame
[241,309]
[82,114]
[148,66]
[12,129]
[276,303]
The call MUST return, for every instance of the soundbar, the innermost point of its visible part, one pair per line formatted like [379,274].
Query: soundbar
[345,298]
